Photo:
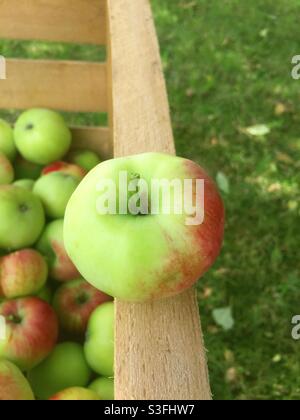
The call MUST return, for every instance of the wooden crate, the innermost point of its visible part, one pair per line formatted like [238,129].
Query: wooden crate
[159,345]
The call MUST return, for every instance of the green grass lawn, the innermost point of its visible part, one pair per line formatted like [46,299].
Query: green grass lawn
[227,65]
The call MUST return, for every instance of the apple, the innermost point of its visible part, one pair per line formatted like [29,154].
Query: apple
[6,170]
[13,384]
[65,367]
[51,245]
[55,190]
[104,387]
[86,159]
[144,256]
[74,302]
[76,394]
[22,218]
[66,168]
[31,331]
[7,144]
[25,183]
[42,136]
[99,344]
[26,170]
[22,273]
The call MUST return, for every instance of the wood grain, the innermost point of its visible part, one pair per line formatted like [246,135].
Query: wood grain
[61,85]
[93,138]
[79,21]
[159,346]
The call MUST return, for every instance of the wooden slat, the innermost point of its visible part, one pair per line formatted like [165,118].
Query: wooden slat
[81,21]
[159,346]
[93,138]
[62,85]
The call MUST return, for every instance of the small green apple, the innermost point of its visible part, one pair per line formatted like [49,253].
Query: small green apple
[54,191]
[76,394]
[26,170]
[13,384]
[86,159]
[51,245]
[104,387]
[42,136]
[22,218]
[7,144]
[99,344]
[65,367]
[6,170]
[25,183]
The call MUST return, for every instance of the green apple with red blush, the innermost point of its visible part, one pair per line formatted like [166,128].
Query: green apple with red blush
[65,168]
[140,257]
[7,144]
[42,136]
[22,273]
[76,394]
[54,191]
[31,331]
[74,302]
[13,384]
[64,368]
[51,246]
[6,170]
[22,218]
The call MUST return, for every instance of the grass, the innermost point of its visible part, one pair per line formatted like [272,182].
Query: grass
[227,65]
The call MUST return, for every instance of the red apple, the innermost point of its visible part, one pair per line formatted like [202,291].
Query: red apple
[13,385]
[51,245]
[76,394]
[31,331]
[66,168]
[74,303]
[22,273]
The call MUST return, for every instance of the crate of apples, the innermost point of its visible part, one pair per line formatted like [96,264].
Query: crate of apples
[56,338]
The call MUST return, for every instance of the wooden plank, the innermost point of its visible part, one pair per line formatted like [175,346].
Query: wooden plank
[93,138]
[78,21]
[159,345]
[61,85]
